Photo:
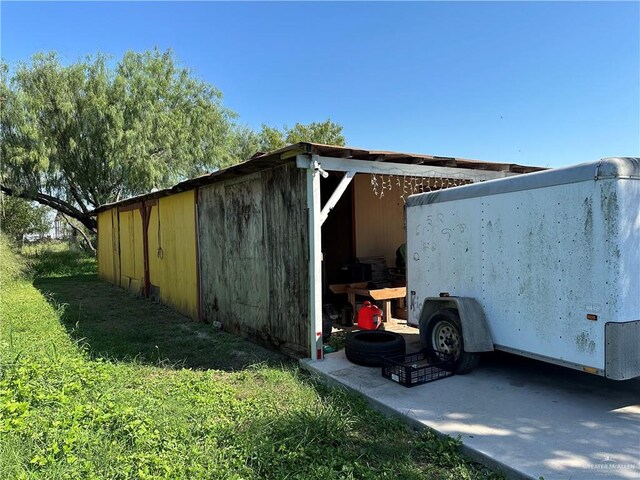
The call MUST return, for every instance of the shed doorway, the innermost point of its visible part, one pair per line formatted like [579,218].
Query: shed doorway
[337,233]
[360,238]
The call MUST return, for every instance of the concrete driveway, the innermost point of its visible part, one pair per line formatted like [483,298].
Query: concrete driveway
[524,417]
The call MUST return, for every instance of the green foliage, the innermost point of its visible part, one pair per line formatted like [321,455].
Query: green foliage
[68,413]
[74,137]
[326,132]
[12,266]
[337,340]
[80,135]
[50,260]
[20,217]
[246,142]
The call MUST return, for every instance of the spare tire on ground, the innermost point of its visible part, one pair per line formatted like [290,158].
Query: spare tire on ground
[367,347]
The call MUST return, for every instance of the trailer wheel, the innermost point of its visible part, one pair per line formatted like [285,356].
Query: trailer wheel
[444,334]
[367,347]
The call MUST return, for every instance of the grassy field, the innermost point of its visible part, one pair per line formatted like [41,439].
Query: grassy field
[96,383]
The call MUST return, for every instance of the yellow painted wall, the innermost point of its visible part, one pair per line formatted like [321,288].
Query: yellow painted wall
[115,238]
[172,252]
[105,247]
[379,222]
[108,247]
[131,251]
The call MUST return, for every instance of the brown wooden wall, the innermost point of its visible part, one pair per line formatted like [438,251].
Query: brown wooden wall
[254,256]
[379,222]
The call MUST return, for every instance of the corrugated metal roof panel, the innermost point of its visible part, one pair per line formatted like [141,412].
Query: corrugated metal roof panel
[261,161]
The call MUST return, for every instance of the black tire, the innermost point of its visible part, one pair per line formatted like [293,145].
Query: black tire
[367,347]
[443,333]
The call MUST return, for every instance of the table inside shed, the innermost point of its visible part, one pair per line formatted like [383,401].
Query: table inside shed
[385,295]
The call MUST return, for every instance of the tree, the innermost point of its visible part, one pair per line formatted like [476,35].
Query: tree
[19,217]
[78,136]
[74,137]
[246,142]
[326,132]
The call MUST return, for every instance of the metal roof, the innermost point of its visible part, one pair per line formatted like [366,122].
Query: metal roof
[261,161]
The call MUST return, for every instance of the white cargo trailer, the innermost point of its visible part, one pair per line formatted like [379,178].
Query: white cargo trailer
[545,265]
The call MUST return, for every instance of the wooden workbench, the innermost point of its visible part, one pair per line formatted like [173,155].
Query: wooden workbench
[383,294]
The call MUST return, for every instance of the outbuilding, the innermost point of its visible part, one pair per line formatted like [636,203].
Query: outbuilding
[255,246]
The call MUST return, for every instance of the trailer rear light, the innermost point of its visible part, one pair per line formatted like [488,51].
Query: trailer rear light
[590,369]
[591,316]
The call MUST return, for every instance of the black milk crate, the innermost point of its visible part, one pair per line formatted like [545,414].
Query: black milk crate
[415,369]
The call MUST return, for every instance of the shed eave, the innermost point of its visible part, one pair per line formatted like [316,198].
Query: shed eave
[354,155]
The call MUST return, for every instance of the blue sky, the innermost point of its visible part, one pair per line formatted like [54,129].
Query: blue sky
[543,83]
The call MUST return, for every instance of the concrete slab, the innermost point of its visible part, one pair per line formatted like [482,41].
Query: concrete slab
[527,418]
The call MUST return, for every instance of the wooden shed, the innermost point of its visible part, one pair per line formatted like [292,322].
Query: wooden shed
[255,246]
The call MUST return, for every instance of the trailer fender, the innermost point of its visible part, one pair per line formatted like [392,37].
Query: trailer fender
[475,329]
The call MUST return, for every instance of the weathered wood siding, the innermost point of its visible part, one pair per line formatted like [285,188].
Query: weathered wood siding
[287,252]
[254,255]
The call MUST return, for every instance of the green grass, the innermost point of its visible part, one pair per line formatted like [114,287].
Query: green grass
[119,326]
[85,393]
[57,260]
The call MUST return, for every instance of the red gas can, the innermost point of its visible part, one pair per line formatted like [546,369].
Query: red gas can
[369,316]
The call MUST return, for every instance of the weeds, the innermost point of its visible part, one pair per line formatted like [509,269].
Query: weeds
[133,411]
[56,260]
[337,340]
[12,266]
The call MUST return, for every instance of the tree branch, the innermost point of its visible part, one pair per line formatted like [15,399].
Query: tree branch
[79,230]
[63,207]
[76,196]
[72,188]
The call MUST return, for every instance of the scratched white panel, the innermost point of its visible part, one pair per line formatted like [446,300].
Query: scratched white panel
[621,203]
[537,260]
[443,252]
[544,271]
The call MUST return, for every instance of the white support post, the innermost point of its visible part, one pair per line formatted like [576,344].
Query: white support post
[335,196]
[315,260]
